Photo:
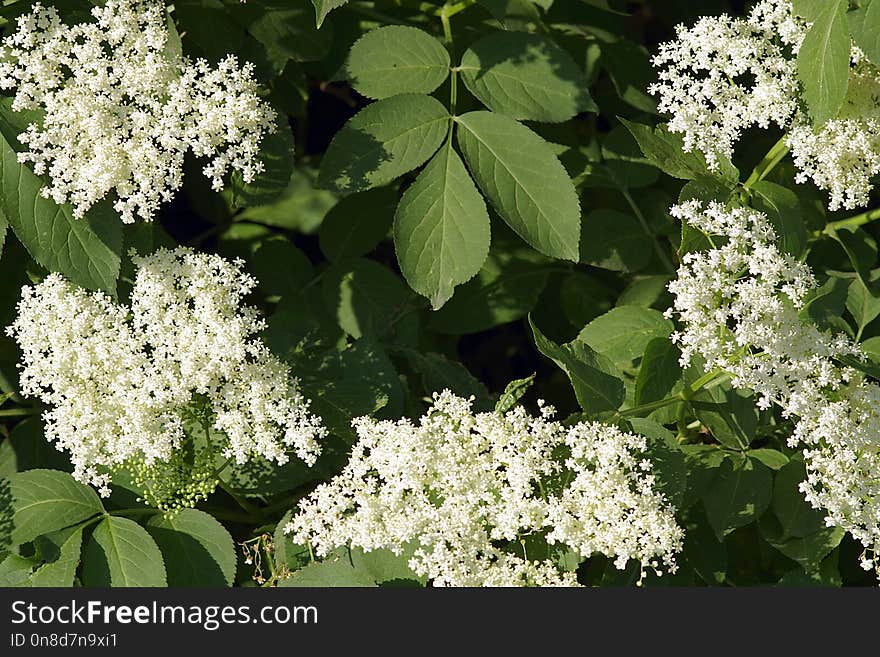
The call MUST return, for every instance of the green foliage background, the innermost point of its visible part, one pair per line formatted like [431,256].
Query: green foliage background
[459,195]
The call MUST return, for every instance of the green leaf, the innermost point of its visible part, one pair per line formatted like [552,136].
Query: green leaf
[397,60]
[287,553]
[519,174]
[797,517]
[3,226]
[782,207]
[365,381]
[61,571]
[343,381]
[505,289]
[665,151]
[86,250]
[704,552]
[15,571]
[280,267]
[664,452]
[860,248]
[198,550]
[335,571]
[808,551]
[515,9]
[706,189]
[174,46]
[623,333]
[772,458]
[356,567]
[862,303]
[864,25]
[383,141]
[827,574]
[439,373]
[809,10]
[702,462]
[441,229]
[285,28]
[828,303]
[823,61]
[120,553]
[730,416]
[44,501]
[357,224]
[202,21]
[365,296]
[26,448]
[659,371]
[513,392]
[324,7]
[739,494]
[629,66]
[594,378]
[525,76]
[871,347]
[385,567]
[276,154]
[613,240]
[301,206]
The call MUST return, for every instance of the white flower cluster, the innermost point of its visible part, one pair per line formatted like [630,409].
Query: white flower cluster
[739,305]
[469,491]
[844,155]
[726,74]
[121,108]
[120,381]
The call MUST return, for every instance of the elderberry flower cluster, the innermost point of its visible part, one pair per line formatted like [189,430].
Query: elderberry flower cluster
[739,305]
[725,74]
[166,388]
[489,499]
[121,107]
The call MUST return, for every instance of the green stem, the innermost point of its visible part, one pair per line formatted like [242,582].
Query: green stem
[216,474]
[705,381]
[853,222]
[128,513]
[773,157]
[650,406]
[453,91]
[431,9]
[714,377]
[452,10]
[271,563]
[447,27]
[664,257]
[19,412]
